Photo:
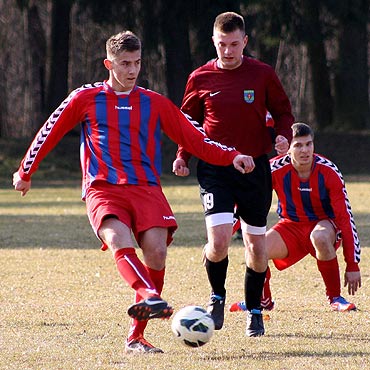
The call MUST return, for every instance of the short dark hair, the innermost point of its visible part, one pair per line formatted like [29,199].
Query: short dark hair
[302,129]
[229,22]
[123,41]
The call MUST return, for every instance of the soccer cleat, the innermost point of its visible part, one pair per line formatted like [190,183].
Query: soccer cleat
[150,308]
[238,306]
[255,326]
[216,308]
[267,305]
[140,345]
[341,304]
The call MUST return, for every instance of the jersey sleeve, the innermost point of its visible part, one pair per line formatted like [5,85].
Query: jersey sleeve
[192,106]
[279,106]
[344,219]
[191,137]
[62,120]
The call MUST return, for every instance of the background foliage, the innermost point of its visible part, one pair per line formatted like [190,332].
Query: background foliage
[319,49]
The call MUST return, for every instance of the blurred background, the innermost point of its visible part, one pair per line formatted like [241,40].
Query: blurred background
[319,49]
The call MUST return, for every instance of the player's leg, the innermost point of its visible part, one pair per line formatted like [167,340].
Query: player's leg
[257,263]
[276,248]
[153,229]
[253,201]
[154,257]
[117,236]
[216,262]
[324,239]
[218,202]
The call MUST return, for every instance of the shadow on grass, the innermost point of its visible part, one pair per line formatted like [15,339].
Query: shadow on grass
[32,231]
[70,231]
[292,354]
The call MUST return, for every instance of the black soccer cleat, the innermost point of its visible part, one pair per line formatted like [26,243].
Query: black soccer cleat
[150,308]
[255,327]
[216,308]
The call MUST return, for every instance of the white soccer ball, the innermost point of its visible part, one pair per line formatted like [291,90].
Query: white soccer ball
[193,326]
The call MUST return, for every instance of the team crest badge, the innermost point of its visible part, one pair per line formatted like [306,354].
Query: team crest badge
[249,96]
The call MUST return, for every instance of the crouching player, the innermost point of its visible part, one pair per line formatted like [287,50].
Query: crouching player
[315,218]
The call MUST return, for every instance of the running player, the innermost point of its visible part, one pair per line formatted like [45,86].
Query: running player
[230,96]
[121,127]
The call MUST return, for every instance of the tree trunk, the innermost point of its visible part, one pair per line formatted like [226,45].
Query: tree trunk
[59,54]
[352,77]
[36,69]
[322,98]
[175,34]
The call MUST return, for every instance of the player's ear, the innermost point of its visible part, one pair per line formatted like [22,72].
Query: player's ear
[245,40]
[107,64]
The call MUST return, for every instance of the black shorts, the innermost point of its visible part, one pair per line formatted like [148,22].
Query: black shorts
[221,188]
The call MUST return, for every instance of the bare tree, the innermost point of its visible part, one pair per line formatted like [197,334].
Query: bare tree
[351,75]
[59,53]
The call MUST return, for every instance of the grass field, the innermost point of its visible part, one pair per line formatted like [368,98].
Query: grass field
[63,304]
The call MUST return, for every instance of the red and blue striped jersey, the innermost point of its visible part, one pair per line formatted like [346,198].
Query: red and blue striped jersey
[322,196]
[121,135]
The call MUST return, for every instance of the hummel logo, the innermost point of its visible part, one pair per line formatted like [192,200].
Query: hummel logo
[126,108]
[214,93]
[169,218]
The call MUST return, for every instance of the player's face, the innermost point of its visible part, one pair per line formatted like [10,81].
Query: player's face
[301,151]
[124,70]
[229,47]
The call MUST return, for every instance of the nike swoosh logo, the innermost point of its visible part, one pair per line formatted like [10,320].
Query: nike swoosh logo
[214,93]
[154,301]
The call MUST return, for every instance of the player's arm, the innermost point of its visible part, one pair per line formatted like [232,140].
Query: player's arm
[62,120]
[191,136]
[192,106]
[345,221]
[279,106]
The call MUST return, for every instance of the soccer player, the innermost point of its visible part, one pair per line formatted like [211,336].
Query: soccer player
[121,127]
[230,95]
[315,218]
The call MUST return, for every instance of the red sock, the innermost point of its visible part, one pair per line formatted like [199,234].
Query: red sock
[330,273]
[137,327]
[266,292]
[134,272]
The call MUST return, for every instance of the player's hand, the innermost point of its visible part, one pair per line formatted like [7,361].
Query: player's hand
[179,168]
[244,163]
[21,185]
[281,145]
[353,280]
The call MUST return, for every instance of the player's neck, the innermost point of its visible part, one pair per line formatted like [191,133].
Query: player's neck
[303,170]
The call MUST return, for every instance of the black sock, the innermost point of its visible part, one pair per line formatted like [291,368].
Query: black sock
[217,275]
[253,288]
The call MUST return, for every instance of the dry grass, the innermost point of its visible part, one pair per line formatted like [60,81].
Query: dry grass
[63,305]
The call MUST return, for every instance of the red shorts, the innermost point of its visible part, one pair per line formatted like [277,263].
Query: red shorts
[296,236]
[139,207]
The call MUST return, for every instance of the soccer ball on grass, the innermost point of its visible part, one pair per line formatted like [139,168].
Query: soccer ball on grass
[193,326]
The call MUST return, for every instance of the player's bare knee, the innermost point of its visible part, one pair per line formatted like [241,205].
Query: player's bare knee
[321,239]
[216,251]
